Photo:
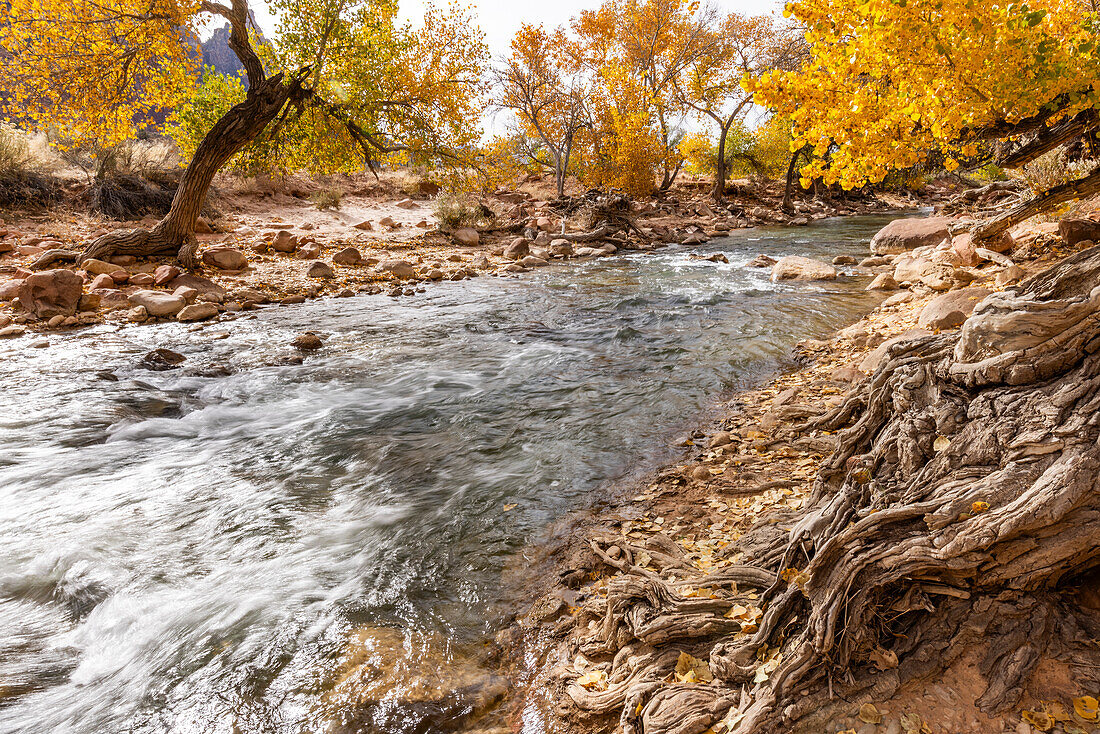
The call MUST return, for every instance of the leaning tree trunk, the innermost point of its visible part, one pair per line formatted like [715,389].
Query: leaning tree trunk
[174,235]
[792,175]
[1052,197]
[960,501]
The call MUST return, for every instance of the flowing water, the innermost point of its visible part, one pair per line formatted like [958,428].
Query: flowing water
[194,550]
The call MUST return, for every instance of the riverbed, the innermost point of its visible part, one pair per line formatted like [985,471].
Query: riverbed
[194,550]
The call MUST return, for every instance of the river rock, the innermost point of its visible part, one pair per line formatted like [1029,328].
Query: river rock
[120,277]
[88,302]
[1079,229]
[950,309]
[348,256]
[158,303]
[187,293]
[208,289]
[883,282]
[9,289]
[398,268]
[320,269]
[907,234]
[308,251]
[480,262]
[137,314]
[466,236]
[225,258]
[142,280]
[50,293]
[197,312]
[909,268]
[164,274]
[795,267]
[388,222]
[91,266]
[874,261]
[761,261]
[159,360]
[10,332]
[365,225]
[102,281]
[561,248]
[938,276]
[518,249]
[543,239]
[844,260]
[899,298]
[963,245]
[284,242]
[307,342]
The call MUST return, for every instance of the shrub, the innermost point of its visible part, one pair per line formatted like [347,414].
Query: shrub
[460,210]
[327,198]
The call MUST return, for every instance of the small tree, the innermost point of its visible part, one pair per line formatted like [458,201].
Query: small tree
[99,68]
[535,84]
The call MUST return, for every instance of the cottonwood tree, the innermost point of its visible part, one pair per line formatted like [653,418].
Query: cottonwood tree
[713,82]
[953,521]
[536,83]
[343,68]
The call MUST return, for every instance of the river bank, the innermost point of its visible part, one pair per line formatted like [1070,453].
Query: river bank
[671,555]
[282,250]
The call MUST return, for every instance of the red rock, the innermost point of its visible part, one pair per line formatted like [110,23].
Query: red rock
[165,274]
[142,280]
[348,256]
[120,276]
[906,234]
[51,293]
[9,289]
[225,258]
[102,281]
[284,242]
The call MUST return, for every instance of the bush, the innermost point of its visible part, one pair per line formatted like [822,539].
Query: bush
[1052,169]
[460,210]
[327,198]
[25,170]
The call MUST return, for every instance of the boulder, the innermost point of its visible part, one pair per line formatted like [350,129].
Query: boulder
[307,342]
[187,293]
[365,225]
[97,267]
[102,281]
[844,260]
[158,303]
[10,332]
[162,359]
[225,258]
[761,261]
[480,262]
[388,222]
[284,242]
[906,234]
[165,274]
[1079,229]
[466,236]
[883,282]
[963,245]
[320,269]
[561,248]
[9,290]
[938,277]
[517,250]
[348,256]
[532,262]
[398,268]
[197,312]
[949,310]
[796,267]
[50,293]
[142,279]
[121,276]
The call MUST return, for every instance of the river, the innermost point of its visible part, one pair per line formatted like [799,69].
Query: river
[190,550]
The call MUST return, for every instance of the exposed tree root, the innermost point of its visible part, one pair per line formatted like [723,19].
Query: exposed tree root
[959,502]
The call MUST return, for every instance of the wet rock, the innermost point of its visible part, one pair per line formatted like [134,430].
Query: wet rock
[320,269]
[874,261]
[348,256]
[883,282]
[307,342]
[1079,229]
[761,261]
[388,222]
[907,234]
[165,274]
[795,267]
[10,332]
[284,242]
[51,292]
[225,258]
[434,274]
[533,262]
[398,268]
[844,260]
[158,303]
[466,236]
[197,312]
[159,360]
[950,309]
[518,249]
[561,248]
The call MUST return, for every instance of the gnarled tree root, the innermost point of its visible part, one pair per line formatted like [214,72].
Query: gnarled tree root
[961,501]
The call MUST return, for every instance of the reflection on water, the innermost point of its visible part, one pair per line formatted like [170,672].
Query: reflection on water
[202,550]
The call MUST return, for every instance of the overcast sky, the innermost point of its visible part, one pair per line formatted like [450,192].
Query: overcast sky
[500,18]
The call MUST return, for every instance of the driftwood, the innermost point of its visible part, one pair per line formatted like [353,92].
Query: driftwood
[960,503]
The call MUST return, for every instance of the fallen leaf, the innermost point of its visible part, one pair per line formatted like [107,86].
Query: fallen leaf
[593,680]
[1087,707]
[978,507]
[941,443]
[884,659]
[868,714]
[690,669]
[911,723]
[509,508]
[1039,719]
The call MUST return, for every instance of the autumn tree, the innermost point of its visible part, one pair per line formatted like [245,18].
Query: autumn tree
[343,74]
[713,83]
[547,95]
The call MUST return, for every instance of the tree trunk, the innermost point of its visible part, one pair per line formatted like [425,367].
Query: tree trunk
[792,174]
[1052,197]
[720,168]
[174,235]
[959,505]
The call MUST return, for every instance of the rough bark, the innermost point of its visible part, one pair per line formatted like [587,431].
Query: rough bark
[959,504]
[1079,188]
